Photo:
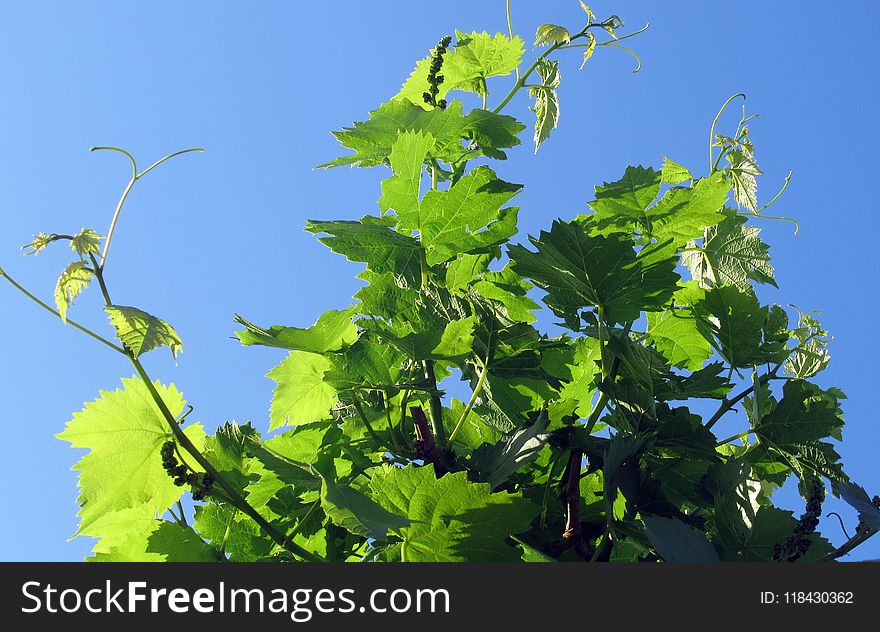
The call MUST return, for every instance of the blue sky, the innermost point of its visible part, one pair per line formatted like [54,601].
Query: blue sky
[260,85]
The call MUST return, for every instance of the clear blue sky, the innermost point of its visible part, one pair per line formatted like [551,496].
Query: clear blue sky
[260,85]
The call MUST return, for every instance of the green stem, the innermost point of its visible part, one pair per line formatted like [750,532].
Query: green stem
[728,404]
[73,323]
[467,409]
[135,176]
[741,435]
[236,499]
[436,405]
[387,403]
[182,512]
[712,164]
[849,545]
[379,440]
[520,82]
[509,32]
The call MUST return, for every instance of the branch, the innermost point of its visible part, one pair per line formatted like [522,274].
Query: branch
[728,404]
[573,531]
[426,447]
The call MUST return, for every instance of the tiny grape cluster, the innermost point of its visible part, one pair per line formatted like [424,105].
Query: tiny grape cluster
[798,543]
[200,483]
[862,526]
[434,76]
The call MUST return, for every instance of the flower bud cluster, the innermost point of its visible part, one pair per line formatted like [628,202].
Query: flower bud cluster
[200,483]
[434,76]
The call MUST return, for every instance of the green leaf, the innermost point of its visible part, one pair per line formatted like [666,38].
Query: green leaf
[509,289]
[372,140]
[771,527]
[675,541]
[475,58]
[136,535]
[465,270]
[858,498]
[352,510]
[124,431]
[86,242]
[683,213]
[676,335]
[72,282]
[301,394]
[737,323]
[333,331]
[499,462]
[530,553]
[451,519]
[674,173]
[742,173]
[401,192]
[239,536]
[589,49]
[548,34]
[731,254]
[370,240]
[579,270]
[467,217]
[546,107]
[628,197]
[454,341]
[141,332]
[805,413]
[227,452]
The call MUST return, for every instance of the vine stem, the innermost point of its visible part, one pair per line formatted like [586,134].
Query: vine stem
[477,390]
[135,176]
[728,404]
[739,95]
[69,321]
[521,79]
[357,405]
[849,545]
[236,499]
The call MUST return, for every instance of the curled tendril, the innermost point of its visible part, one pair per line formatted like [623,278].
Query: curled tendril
[840,520]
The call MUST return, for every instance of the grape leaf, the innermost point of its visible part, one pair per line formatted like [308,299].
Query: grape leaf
[226,450]
[455,340]
[141,332]
[628,197]
[370,240]
[498,462]
[241,538]
[673,173]
[546,107]
[136,535]
[806,413]
[372,140]
[580,270]
[451,519]
[333,331]
[675,541]
[401,192]
[467,217]
[356,512]
[85,243]
[731,254]
[675,335]
[548,34]
[124,431]
[301,394]
[742,173]
[72,282]
[858,498]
